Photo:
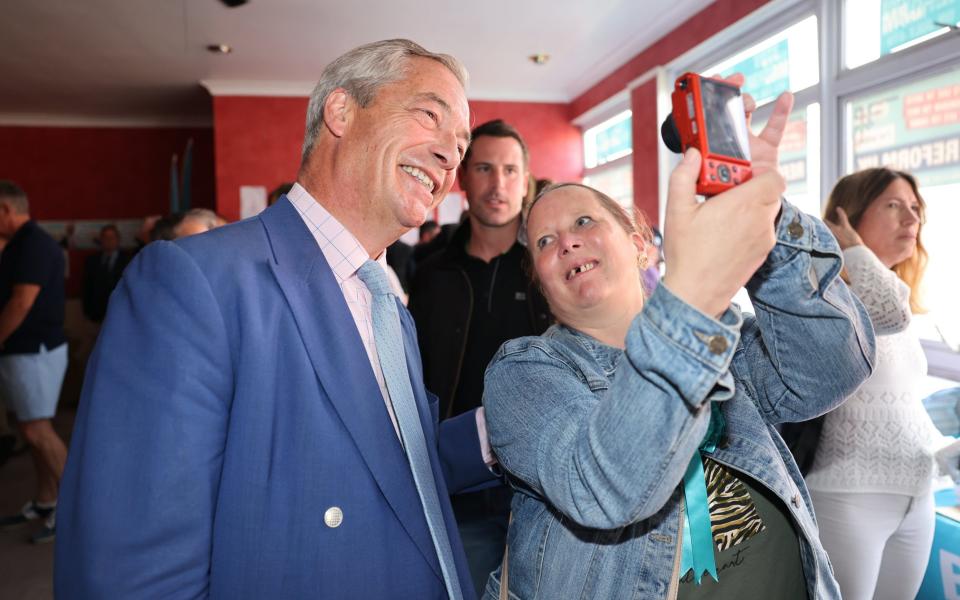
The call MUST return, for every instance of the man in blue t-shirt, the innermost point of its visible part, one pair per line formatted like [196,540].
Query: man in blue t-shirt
[33,349]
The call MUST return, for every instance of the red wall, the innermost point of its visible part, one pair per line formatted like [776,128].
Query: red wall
[698,28]
[556,151]
[258,141]
[646,195]
[643,99]
[102,172]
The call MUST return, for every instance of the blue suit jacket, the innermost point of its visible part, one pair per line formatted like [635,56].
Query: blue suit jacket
[228,404]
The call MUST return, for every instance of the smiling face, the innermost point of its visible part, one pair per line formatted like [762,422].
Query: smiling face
[891,223]
[494,180]
[402,150]
[587,264]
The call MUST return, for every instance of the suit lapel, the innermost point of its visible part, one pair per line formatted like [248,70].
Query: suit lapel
[341,364]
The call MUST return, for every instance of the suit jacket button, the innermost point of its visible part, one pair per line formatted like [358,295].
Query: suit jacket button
[333,517]
[795,501]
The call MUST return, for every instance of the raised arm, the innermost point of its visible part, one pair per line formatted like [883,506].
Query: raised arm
[139,492]
[812,343]
[611,454]
[885,296]
[607,454]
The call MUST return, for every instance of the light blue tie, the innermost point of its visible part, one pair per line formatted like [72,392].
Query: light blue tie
[393,362]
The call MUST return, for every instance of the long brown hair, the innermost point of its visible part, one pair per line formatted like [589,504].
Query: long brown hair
[855,192]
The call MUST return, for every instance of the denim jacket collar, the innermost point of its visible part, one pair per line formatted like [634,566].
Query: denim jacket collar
[606,356]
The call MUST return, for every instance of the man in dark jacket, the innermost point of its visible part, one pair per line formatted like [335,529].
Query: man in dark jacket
[470,298]
[101,273]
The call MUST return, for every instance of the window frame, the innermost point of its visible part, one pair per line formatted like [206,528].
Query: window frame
[604,111]
[837,85]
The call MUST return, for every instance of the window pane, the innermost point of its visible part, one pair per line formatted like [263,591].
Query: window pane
[614,181]
[875,28]
[800,157]
[941,289]
[609,140]
[784,61]
[915,127]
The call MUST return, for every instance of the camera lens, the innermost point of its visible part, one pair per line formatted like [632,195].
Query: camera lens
[723,171]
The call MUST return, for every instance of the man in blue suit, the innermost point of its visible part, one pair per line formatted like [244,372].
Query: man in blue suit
[235,437]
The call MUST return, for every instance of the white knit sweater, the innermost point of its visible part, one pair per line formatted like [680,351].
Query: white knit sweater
[881,440]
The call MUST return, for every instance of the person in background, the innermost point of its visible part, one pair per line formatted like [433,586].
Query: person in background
[653,250]
[164,228]
[197,220]
[433,239]
[33,349]
[468,300]
[399,256]
[873,466]
[102,272]
[8,436]
[278,192]
[428,231]
[639,433]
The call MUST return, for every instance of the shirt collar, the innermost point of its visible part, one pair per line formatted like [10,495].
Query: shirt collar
[339,246]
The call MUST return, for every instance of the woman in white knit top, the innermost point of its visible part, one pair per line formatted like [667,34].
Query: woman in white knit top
[871,477]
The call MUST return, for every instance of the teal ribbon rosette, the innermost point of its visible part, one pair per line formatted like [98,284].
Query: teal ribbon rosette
[697,550]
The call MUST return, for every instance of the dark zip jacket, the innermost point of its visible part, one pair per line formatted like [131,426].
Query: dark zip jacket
[442,302]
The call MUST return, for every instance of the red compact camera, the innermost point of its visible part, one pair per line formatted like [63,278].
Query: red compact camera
[708,115]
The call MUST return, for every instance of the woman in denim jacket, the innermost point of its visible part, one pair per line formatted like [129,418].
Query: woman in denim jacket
[621,429]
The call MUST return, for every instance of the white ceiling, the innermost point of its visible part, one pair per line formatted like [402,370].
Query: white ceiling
[144,60]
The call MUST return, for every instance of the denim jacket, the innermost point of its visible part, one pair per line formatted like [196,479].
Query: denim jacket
[595,440]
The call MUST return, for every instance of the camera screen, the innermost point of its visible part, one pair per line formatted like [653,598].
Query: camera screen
[726,125]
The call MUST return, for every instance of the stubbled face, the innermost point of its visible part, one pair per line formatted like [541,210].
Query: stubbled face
[890,225]
[406,145]
[495,180]
[584,259]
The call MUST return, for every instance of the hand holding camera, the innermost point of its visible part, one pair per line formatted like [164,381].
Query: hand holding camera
[710,114]
[713,248]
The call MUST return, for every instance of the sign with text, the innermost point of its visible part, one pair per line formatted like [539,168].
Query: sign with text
[903,21]
[615,141]
[767,72]
[913,128]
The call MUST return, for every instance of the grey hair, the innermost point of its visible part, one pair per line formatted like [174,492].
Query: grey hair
[14,195]
[362,72]
[203,215]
